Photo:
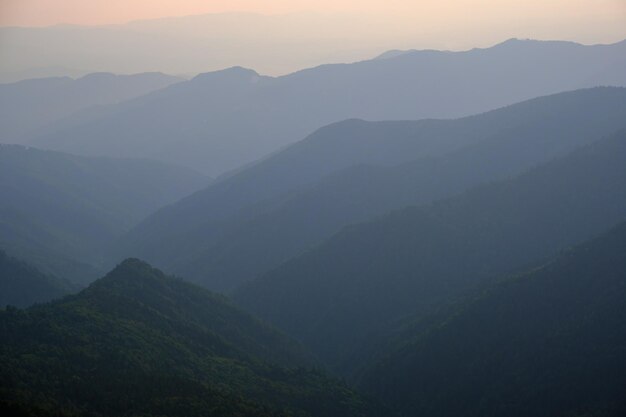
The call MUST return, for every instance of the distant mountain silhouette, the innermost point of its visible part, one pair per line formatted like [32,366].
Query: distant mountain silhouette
[362,279]
[219,121]
[252,221]
[44,71]
[271,43]
[30,105]
[137,342]
[544,343]
[57,210]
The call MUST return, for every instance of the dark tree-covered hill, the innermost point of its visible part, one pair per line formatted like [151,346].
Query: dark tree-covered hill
[549,342]
[137,342]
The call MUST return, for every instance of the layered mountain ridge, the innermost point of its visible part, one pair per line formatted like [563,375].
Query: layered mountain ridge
[337,295]
[214,125]
[248,223]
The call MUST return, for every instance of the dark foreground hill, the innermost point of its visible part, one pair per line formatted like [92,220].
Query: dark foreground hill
[22,284]
[137,342]
[547,343]
[336,296]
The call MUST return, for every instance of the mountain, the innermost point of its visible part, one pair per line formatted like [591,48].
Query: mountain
[46,71]
[549,342]
[221,120]
[58,211]
[200,218]
[28,106]
[274,44]
[336,296]
[22,285]
[251,222]
[137,342]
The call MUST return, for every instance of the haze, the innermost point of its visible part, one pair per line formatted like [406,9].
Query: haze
[313,208]
[96,12]
[274,37]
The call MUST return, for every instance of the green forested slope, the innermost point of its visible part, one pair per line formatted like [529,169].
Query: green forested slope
[137,342]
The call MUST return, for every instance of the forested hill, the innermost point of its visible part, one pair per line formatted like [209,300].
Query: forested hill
[549,342]
[137,342]
[335,296]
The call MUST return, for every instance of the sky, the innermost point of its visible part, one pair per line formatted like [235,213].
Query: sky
[97,12]
[281,36]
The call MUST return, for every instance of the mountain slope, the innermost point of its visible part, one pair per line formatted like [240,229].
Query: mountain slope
[22,285]
[550,342]
[261,216]
[542,129]
[368,275]
[221,120]
[200,218]
[55,206]
[137,342]
[29,105]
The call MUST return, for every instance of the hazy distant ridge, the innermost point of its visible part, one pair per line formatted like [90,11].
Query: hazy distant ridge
[218,121]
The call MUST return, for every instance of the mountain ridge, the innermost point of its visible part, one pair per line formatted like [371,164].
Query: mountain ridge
[137,341]
[22,285]
[29,106]
[58,210]
[548,340]
[229,124]
[286,204]
[368,275]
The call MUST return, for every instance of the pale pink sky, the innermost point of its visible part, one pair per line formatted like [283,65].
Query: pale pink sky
[92,12]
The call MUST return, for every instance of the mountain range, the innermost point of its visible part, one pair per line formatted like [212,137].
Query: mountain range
[250,222]
[221,120]
[343,292]
[29,106]
[59,211]
[275,44]
[425,233]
